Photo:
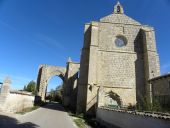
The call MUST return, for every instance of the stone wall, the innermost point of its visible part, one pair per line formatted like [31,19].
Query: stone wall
[16,102]
[70,86]
[121,119]
[124,99]
[161,90]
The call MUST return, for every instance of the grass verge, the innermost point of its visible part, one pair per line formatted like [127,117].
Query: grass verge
[83,121]
[79,122]
[25,110]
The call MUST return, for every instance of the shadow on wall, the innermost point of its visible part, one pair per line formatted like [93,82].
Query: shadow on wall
[73,91]
[9,122]
[139,67]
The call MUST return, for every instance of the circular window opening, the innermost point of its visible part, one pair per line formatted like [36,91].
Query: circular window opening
[120,41]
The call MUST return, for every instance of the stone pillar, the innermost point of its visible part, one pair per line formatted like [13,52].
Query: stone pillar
[70,88]
[87,87]
[151,58]
[42,83]
[5,89]
[84,63]
[100,97]
[91,101]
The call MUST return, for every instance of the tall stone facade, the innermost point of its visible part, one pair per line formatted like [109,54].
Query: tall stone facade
[120,55]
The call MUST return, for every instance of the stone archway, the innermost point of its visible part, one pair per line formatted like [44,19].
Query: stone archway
[108,98]
[45,73]
[112,99]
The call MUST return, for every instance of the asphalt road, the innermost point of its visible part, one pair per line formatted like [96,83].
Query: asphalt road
[50,116]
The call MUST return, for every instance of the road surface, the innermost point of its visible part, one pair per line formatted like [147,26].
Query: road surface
[50,116]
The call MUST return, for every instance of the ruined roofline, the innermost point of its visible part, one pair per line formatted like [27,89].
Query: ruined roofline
[46,65]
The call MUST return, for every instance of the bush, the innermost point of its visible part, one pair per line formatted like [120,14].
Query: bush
[146,105]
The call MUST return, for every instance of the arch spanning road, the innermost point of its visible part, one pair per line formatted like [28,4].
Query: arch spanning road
[50,116]
[44,74]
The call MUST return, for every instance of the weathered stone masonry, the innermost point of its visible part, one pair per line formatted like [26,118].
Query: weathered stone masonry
[119,55]
[69,75]
[123,70]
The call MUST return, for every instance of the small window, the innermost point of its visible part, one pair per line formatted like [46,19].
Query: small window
[118,9]
[120,41]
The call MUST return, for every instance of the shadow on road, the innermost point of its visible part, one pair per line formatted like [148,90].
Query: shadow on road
[9,122]
[54,106]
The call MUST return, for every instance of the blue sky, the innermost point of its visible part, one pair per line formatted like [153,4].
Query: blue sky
[34,32]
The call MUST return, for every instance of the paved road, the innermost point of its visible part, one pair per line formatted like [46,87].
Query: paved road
[50,116]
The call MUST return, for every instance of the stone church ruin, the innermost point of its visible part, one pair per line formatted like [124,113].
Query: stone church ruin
[118,58]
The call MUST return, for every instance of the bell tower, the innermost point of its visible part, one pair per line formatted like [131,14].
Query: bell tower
[118,8]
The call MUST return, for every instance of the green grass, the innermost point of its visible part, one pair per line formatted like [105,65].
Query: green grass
[83,121]
[78,119]
[79,122]
[25,110]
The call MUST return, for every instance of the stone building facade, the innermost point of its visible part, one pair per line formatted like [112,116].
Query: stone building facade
[119,56]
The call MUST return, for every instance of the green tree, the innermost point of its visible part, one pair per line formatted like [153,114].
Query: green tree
[59,93]
[25,88]
[55,95]
[31,87]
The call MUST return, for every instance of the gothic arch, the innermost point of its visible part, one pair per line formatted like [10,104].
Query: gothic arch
[45,73]
[115,97]
[108,98]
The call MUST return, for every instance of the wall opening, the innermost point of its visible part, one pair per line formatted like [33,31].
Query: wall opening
[113,100]
[54,89]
